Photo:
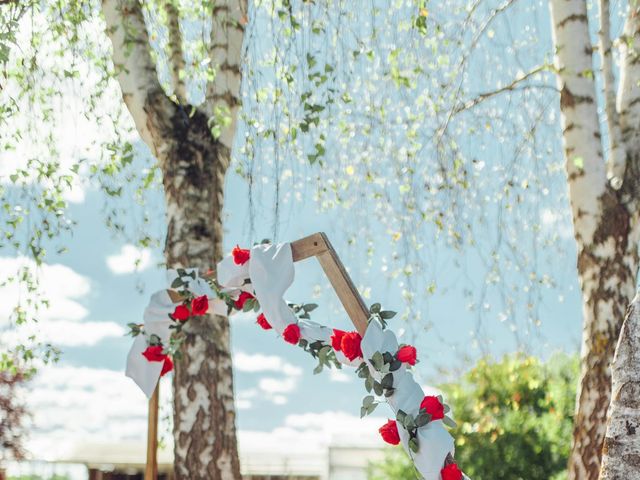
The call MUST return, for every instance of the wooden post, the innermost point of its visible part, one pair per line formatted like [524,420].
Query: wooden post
[316,245]
[151,471]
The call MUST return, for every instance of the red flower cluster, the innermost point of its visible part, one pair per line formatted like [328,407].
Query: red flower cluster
[262,321]
[291,334]
[433,407]
[244,296]
[153,353]
[407,354]
[240,255]
[199,306]
[349,343]
[389,432]
[451,472]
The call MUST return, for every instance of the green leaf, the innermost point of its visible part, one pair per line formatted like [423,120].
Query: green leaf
[375,308]
[310,307]
[387,380]
[413,445]
[449,422]
[377,360]
[400,416]
[368,384]
[377,388]
[422,419]
[387,314]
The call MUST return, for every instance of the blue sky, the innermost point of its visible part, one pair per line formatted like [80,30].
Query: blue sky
[87,398]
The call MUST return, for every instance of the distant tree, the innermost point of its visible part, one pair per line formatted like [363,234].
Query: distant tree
[12,417]
[508,413]
[396,465]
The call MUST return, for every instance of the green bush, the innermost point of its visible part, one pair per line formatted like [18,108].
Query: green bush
[515,418]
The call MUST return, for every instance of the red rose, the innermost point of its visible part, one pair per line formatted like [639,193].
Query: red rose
[389,432]
[350,345]
[240,255]
[181,313]
[407,354]
[244,296]
[200,305]
[167,366]
[451,472]
[153,353]
[336,339]
[262,321]
[433,407]
[291,334]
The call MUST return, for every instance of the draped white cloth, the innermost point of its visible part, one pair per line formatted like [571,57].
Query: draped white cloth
[271,272]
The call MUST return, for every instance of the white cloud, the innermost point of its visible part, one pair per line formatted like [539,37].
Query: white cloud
[313,431]
[61,323]
[72,405]
[257,362]
[129,259]
[268,388]
[277,385]
[60,286]
[340,376]
[64,333]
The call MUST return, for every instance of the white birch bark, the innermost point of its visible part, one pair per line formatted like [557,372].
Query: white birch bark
[193,164]
[616,157]
[607,253]
[176,56]
[621,452]
[223,93]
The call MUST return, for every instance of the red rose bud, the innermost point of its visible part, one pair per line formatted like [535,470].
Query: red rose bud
[291,334]
[433,407]
[389,432]
[350,345]
[167,366]
[451,472]
[244,296]
[200,305]
[262,321]
[240,255]
[153,353]
[181,313]
[407,354]
[336,339]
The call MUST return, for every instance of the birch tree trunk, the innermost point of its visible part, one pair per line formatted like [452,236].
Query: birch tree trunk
[605,229]
[621,452]
[193,165]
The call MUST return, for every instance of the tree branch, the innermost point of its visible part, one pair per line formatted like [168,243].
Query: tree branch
[580,123]
[229,18]
[616,158]
[135,69]
[176,55]
[629,98]
[514,85]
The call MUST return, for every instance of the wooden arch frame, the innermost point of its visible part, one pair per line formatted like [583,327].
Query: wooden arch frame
[316,245]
